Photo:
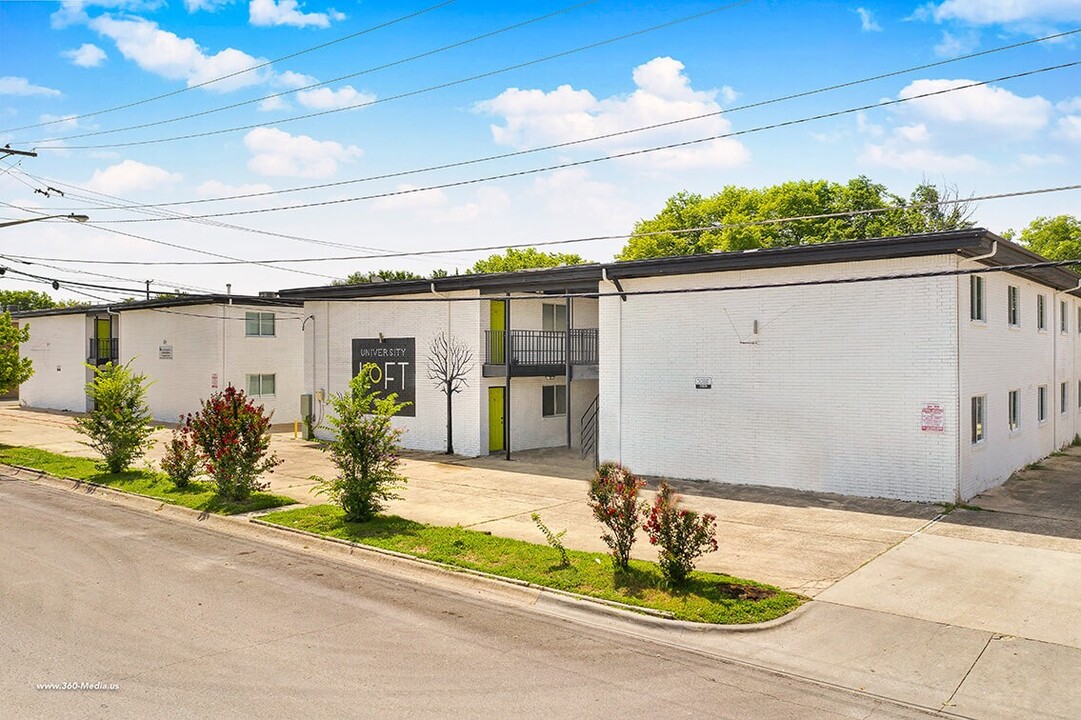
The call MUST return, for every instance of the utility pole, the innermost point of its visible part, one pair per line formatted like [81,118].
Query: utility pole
[148,288]
[7,150]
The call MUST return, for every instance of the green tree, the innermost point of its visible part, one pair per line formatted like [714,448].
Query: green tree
[14,370]
[119,425]
[1056,238]
[364,449]
[16,300]
[360,278]
[522,259]
[738,218]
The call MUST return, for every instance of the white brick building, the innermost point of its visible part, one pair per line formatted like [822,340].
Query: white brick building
[189,346]
[896,387]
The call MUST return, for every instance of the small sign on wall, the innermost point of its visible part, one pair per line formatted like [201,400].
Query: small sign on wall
[932,418]
[214,381]
[165,352]
[703,383]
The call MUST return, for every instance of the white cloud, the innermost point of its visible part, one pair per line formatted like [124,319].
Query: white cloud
[130,176]
[86,55]
[571,192]
[998,12]
[193,6]
[269,13]
[412,201]
[1069,127]
[1033,161]
[59,122]
[663,93]
[984,105]
[913,133]
[1069,106]
[11,85]
[175,58]
[327,99]
[216,188]
[276,153]
[73,12]
[952,46]
[867,20]
[923,159]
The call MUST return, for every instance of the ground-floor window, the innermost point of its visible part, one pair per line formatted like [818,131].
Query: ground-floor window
[1063,398]
[979,405]
[1015,410]
[554,400]
[260,385]
[1041,404]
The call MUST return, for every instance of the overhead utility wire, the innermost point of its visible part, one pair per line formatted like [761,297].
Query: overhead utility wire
[606,136]
[236,73]
[93,286]
[620,155]
[323,83]
[174,285]
[411,93]
[594,238]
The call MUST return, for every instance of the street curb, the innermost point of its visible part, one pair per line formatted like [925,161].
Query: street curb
[462,579]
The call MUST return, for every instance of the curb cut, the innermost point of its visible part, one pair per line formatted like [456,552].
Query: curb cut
[460,579]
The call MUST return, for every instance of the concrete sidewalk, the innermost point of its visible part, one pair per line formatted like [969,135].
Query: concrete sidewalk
[974,613]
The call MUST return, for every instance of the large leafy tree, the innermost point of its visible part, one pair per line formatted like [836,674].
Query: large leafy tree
[360,278]
[14,370]
[15,300]
[522,259]
[1056,238]
[738,218]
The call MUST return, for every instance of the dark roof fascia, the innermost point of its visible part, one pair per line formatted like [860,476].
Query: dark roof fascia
[568,278]
[1010,253]
[159,303]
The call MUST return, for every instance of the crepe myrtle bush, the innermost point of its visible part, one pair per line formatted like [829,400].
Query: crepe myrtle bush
[364,449]
[119,426]
[683,535]
[182,461]
[613,498]
[233,437]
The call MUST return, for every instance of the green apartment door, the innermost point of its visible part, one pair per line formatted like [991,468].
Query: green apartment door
[495,419]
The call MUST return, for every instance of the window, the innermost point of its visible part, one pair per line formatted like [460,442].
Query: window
[975,287]
[260,385]
[554,317]
[554,401]
[1041,312]
[1063,317]
[978,405]
[1079,394]
[259,324]
[1063,398]
[1041,404]
[1015,410]
[1013,310]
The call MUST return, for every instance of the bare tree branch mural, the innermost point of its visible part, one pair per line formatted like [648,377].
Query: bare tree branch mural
[449,363]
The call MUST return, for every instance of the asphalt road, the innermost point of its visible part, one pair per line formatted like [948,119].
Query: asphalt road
[189,622]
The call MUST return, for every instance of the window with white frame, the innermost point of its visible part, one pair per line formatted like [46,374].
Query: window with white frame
[554,400]
[259,324]
[1063,398]
[261,385]
[1015,410]
[976,303]
[1041,404]
[979,407]
[554,317]
[1041,312]
[1013,305]
[1063,317]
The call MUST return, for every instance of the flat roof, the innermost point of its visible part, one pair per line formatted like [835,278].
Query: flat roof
[161,302]
[584,278]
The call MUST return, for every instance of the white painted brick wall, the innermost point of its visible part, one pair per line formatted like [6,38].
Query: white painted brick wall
[58,347]
[827,399]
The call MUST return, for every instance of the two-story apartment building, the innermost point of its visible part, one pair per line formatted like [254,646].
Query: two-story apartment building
[189,346]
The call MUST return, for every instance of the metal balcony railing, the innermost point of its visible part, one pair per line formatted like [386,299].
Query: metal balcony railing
[103,350]
[541,347]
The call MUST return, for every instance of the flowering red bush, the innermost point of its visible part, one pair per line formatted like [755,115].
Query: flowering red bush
[683,535]
[613,498]
[182,462]
[233,434]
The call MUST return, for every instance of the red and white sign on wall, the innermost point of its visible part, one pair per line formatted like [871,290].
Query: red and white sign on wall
[214,381]
[932,418]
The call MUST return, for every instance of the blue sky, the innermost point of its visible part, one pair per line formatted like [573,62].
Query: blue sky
[82,56]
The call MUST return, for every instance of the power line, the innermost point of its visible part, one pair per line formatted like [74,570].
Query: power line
[399,96]
[323,83]
[236,73]
[608,136]
[616,156]
[595,238]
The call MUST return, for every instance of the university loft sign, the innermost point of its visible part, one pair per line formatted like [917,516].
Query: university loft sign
[395,371]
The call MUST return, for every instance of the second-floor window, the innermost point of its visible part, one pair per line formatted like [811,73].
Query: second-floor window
[1063,317]
[1014,305]
[554,317]
[1041,312]
[976,304]
[259,324]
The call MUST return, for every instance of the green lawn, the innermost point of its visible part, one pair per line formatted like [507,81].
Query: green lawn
[199,495]
[707,598]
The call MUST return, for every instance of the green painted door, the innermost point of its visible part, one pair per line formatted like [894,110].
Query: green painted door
[104,333]
[495,419]
[498,328]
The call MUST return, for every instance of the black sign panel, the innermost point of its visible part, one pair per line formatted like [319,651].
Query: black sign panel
[396,367]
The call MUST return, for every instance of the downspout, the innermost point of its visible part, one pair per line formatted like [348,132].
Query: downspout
[508,355]
[1054,362]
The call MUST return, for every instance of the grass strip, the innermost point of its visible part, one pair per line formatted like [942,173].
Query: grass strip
[198,495]
[707,597]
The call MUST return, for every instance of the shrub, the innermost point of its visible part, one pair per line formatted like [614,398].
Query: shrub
[683,535]
[233,436]
[119,425]
[182,461]
[364,449]
[555,540]
[613,498]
